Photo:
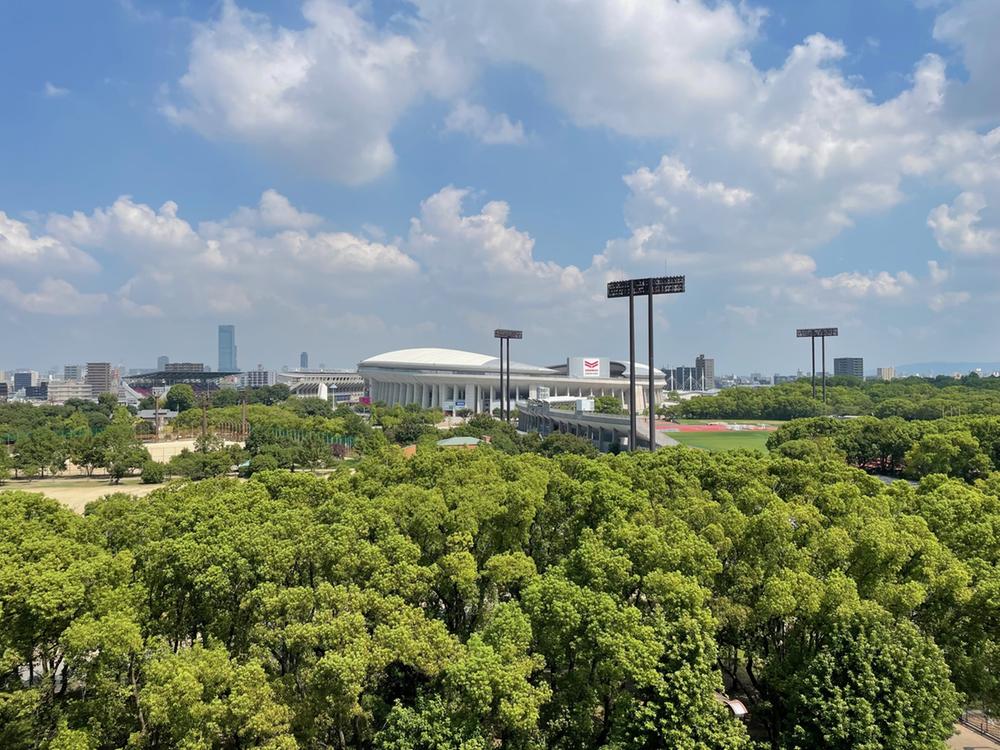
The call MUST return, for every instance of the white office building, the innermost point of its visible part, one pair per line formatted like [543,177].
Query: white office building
[450,379]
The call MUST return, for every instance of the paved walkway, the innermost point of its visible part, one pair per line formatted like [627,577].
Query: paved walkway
[966,739]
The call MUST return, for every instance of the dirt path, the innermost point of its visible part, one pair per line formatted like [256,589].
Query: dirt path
[966,739]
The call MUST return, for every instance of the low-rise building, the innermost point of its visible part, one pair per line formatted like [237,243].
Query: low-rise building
[61,391]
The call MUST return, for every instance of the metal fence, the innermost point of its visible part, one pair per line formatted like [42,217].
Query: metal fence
[981,722]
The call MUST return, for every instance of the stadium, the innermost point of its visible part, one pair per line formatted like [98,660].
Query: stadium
[450,379]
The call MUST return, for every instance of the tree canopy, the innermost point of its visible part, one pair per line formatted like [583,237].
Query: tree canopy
[476,599]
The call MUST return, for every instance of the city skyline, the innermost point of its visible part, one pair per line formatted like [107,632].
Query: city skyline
[801,164]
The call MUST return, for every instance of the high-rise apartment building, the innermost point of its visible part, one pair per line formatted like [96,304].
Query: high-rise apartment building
[705,372]
[852,366]
[161,362]
[99,378]
[885,373]
[304,361]
[72,372]
[227,348]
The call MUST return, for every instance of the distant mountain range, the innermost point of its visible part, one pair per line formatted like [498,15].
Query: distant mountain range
[929,369]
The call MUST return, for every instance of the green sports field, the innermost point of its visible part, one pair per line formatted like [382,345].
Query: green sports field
[722,441]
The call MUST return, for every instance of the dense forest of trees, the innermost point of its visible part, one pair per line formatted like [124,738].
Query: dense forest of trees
[471,600]
[963,447]
[909,398]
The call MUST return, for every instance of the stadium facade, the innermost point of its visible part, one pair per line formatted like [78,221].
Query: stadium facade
[449,379]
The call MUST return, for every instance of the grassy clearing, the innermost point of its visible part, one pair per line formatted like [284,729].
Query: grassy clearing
[77,492]
[723,441]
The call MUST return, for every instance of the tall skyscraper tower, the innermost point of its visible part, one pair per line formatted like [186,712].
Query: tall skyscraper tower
[304,361]
[161,362]
[227,349]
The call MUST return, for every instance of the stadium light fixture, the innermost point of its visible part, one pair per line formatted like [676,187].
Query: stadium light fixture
[505,334]
[630,288]
[813,334]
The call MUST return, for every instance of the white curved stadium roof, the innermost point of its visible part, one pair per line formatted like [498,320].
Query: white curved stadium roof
[442,359]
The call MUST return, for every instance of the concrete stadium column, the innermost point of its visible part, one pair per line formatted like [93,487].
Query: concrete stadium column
[411,393]
[470,396]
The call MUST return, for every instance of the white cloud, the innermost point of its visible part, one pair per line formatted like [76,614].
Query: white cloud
[640,68]
[938,274]
[20,250]
[474,120]
[325,97]
[484,248]
[944,300]
[882,284]
[54,92]
[52,297]
[957,228]
[229,265]
[274,211]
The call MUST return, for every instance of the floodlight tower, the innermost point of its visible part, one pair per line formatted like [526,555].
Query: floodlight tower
[813,334]
[630,288]
[505,334]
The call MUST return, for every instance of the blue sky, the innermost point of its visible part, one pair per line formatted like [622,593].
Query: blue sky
[349,178]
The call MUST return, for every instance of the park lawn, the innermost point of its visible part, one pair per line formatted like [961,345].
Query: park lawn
[723,441]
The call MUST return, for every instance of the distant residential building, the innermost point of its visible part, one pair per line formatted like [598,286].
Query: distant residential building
[3,391]
[62,391]
[72,372]
[24,379]
[779,379]
[161,362]
[227,348]
[99,378]
[852,366]
[258,378]
[705,372]
[304,361]
[886,373]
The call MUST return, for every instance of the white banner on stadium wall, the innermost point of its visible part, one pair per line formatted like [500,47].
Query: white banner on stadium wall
[587,367]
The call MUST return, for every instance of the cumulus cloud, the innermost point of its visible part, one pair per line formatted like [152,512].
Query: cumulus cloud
[882,284]
[484,247]
[51,297]
[274,211]
[325,96]
[20,249]
[227,265]
[476,121]
[957,228]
